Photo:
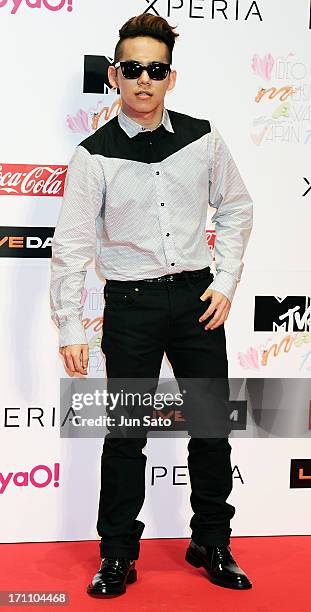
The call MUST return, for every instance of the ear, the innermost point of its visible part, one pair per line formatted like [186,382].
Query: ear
[112,76]
[172,80]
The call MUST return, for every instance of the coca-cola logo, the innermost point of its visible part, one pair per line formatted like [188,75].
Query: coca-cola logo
[29,180]
[50,5]
[210,237]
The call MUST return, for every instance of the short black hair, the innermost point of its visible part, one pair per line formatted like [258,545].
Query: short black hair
[147,25]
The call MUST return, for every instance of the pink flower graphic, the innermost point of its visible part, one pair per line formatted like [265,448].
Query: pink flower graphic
[249,359]
[263,67]
[78,123]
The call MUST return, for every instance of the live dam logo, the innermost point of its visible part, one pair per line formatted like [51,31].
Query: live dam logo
[26,241]
[300,474]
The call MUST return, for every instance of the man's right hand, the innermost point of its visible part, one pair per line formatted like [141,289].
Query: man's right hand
[76,357]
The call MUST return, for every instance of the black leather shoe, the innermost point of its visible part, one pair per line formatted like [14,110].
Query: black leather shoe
[219,564]
[112,577]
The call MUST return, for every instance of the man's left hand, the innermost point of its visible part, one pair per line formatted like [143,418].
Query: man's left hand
[220,304]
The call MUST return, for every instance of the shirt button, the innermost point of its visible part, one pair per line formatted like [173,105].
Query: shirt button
[173,264]
[157,172]
[168,234]
[162,203]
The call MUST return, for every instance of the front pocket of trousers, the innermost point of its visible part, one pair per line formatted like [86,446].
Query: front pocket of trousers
[117,309]
[202,305]
[200,285]
[119,299]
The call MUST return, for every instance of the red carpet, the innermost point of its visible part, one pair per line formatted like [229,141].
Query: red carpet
[279,568]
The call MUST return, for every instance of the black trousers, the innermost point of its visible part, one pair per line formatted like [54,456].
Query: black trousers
[142,321]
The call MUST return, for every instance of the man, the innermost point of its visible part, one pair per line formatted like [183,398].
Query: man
[145,180]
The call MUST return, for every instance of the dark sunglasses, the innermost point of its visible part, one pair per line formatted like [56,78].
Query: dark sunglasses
[132,69]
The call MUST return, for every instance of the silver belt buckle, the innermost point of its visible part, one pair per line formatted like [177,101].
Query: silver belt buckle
[160,279]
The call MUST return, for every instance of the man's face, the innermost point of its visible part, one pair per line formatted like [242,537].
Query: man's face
[143,49]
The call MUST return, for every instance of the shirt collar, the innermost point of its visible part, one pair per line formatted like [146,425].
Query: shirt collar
[132,128]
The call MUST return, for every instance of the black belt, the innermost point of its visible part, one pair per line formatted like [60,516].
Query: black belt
[169,277]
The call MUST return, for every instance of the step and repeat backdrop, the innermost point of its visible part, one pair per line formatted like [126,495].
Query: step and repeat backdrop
[247,67]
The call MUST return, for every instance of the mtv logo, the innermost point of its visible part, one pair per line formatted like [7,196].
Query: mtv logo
[289,314]
[95,78]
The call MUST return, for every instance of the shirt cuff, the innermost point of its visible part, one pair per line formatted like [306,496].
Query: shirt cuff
[225,283]
[72,333]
